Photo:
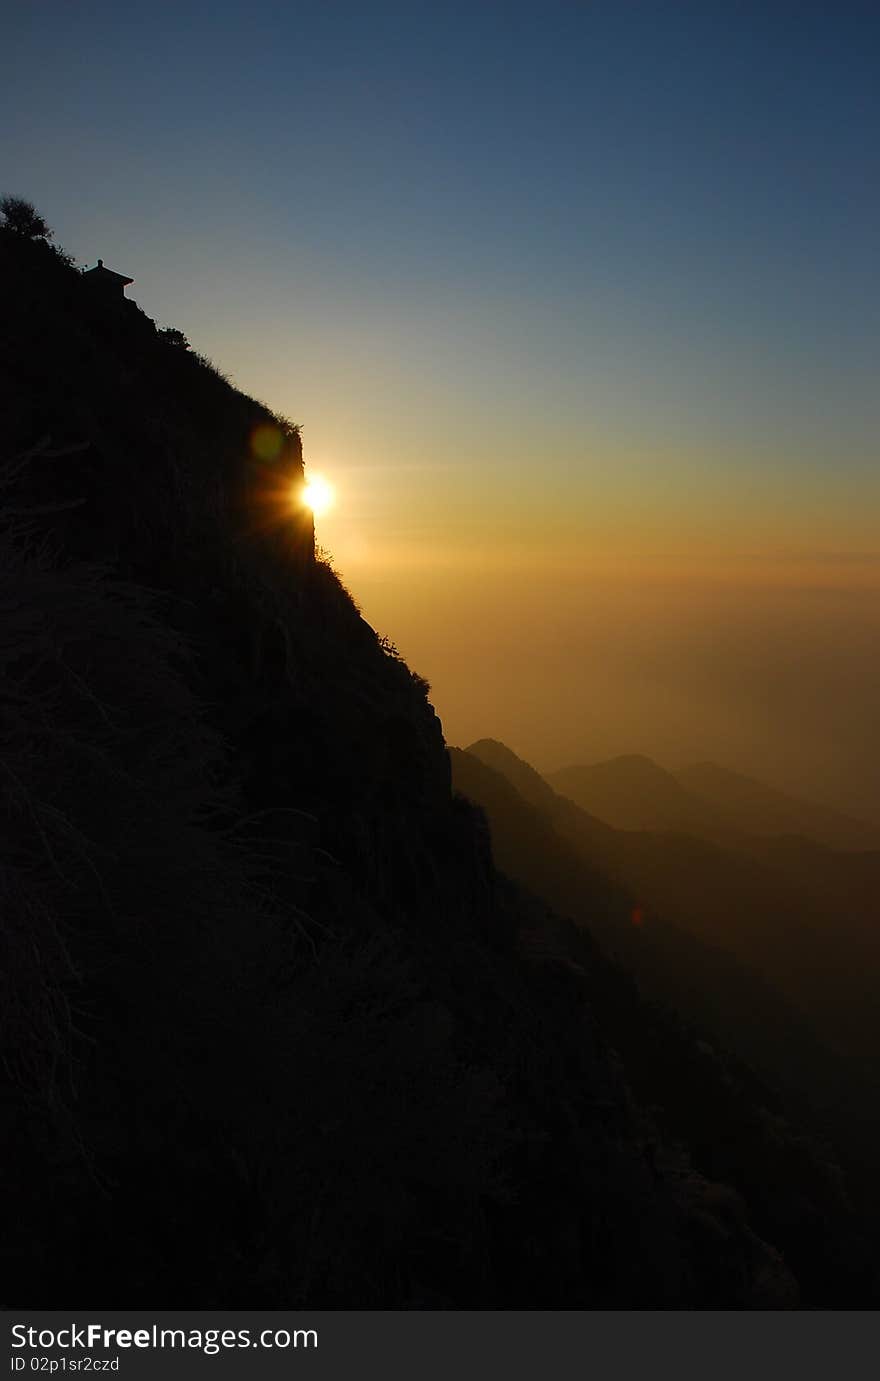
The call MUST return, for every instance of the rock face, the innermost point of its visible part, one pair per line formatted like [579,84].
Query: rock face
[276,1032]
[158,457]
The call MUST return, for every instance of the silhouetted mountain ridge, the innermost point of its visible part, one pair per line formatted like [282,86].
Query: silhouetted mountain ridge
[276,1031]
[782,909]
[723,1004]
[633,792]
[757,808]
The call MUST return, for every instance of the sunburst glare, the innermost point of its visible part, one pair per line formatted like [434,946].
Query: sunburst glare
[318,495]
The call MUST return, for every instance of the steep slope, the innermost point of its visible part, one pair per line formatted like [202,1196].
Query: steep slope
[529,784]
[271,1032]
[780,912]
[723,1005]
[540,846]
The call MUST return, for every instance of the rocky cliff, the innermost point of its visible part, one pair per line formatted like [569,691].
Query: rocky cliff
[274,1030]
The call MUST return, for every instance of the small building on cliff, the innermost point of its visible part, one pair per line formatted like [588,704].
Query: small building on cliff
[104,281]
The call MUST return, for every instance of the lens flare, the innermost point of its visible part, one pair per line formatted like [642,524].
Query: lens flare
[318,495]
[267,442]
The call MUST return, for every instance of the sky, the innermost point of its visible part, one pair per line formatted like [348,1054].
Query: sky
[578,308]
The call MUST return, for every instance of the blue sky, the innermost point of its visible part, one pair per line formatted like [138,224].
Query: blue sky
[684,196]
[539,281]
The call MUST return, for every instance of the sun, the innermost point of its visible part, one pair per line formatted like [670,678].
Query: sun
[318,495]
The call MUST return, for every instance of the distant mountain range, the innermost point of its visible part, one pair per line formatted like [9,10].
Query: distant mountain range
[770,946]
[800,915]
[634,793]
[276,1029]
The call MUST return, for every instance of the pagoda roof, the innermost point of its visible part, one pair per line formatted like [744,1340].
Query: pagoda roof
[99,272]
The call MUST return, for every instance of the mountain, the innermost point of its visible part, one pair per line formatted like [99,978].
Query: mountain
[634,793]
[613,881]
[755,808]
[730,1068]
[275,1030]
[698,924]
[806,917]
